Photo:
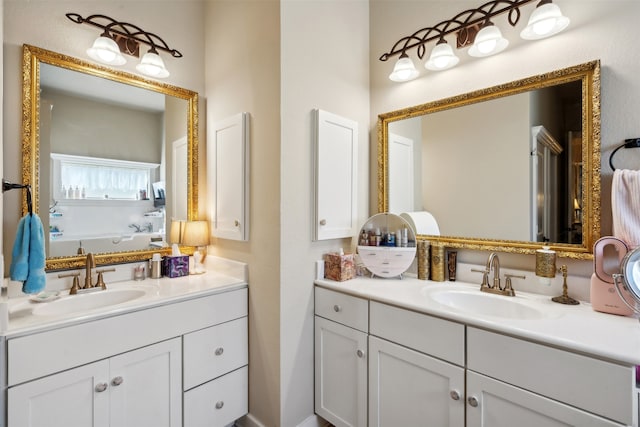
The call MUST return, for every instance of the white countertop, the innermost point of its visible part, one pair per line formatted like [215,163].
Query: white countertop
[577,328]
[23,321]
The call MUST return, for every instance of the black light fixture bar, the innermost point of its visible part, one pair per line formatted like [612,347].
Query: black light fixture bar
[464,21]
[124,29]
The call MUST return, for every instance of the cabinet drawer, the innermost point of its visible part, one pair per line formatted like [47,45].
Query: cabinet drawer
[218,402]
[430,335]
[212,352]
[348,310]
[386,261]
[594,385]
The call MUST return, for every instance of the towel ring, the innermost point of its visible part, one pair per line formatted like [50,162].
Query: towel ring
[628,143]
[6,186]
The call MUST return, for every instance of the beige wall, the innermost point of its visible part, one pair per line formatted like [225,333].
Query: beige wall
[325,65]
[242,53]
[286,59]
[599,29]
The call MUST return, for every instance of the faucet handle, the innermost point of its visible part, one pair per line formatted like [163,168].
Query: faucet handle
[508,288]
[76,282]
[485,277]
[100,281]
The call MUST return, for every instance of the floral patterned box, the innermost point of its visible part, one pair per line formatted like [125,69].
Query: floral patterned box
[339,267]
[175,266]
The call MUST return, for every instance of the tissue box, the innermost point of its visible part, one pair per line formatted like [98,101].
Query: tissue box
[175,266]
[339,267]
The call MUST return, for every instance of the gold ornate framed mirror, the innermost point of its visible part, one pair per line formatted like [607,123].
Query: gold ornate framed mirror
[180,111]
[521,158]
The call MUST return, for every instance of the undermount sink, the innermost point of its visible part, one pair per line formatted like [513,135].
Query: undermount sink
[478,303]
[90,301]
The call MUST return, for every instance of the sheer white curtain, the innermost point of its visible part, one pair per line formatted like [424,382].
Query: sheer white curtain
[98,181]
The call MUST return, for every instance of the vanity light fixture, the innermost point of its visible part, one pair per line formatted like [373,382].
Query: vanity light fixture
[122,37]
[473,26]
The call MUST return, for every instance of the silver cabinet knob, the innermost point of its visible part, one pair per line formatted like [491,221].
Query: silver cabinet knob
[323,222]
[236,223]
[473,401]
[219,351]
[219,404]
[100,387]
[360,354]
[455,395]
[337,308]
[117,381]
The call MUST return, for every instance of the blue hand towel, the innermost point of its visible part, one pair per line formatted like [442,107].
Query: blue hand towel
[28,257]
[19,269]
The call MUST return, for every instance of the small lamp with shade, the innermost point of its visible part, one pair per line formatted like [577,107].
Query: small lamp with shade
[196,234]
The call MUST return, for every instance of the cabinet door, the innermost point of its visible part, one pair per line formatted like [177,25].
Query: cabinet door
[340,374]
[336,176]
[228,174]
[408,388]
[492,403]
[146,386]
[75,398]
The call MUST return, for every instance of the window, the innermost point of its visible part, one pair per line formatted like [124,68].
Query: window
[78,177]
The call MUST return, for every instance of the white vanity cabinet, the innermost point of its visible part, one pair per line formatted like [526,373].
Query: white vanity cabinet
[427,370]
[137,388]
[341,325]
[498,404]
[416,369]
[135,368]
[533,382]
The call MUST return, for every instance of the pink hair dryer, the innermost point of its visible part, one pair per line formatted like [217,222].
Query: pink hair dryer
[604,296]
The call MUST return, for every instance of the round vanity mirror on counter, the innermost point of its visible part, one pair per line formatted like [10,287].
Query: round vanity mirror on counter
[387,245]
[627,282]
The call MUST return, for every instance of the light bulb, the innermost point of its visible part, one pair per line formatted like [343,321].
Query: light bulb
[545,21]
[404,70]
[441,58]
[489,41]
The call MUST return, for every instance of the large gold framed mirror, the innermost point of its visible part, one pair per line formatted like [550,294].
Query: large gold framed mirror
[146,139]
[509,168]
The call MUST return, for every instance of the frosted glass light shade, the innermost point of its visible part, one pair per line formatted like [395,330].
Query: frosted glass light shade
[106,51]
[545,21]
[489,41]
[404,70]
[152,65]
[441,58]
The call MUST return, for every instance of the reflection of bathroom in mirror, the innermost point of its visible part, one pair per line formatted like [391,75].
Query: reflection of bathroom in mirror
[503,166]
[116,159]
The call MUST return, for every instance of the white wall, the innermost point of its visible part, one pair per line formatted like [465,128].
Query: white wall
[325,64]
[600,29]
